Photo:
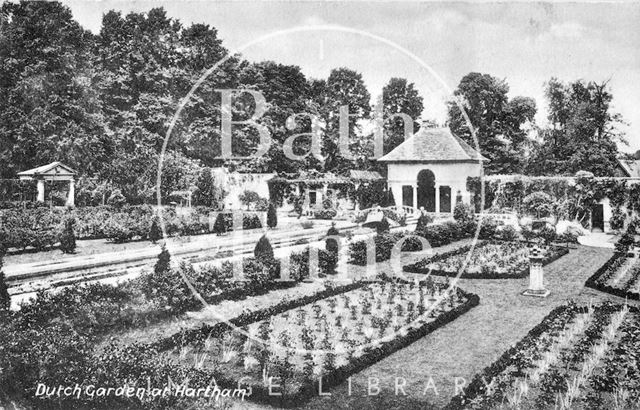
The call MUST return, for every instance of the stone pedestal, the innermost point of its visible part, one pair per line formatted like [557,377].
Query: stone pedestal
[536,275]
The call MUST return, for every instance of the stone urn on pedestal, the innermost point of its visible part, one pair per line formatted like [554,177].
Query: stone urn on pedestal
[536,274]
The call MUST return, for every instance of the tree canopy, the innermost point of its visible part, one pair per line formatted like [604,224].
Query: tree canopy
[498,120]
[103,104]
[583,130]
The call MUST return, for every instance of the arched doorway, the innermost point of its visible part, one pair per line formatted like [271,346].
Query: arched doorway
[427,190]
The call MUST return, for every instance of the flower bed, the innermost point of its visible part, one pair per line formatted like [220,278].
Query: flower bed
[581,357]
[337,333]
[618,276]
[489,260]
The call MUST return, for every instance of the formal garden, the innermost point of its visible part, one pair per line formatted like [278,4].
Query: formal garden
[480,260]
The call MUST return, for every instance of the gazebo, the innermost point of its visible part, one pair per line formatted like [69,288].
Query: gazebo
[55,171]
[428,170]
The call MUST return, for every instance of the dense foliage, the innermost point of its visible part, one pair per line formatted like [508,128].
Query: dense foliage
[563,198]
[43,227]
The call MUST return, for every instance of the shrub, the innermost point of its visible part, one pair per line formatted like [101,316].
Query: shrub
[118,232]
[488,228]
[423,220]
[547,234]
[116,199]
[165,284]
[625,243]
[462,212]
[384,244]
[327,262]
[249,198]
[272,216]
[263,250]
[331,244]
[538,203]
[567,237]
[68,236]
[383,225]
[155,234]
[220,225]
[325,214]
[508,233]
[163,264]
[617,219]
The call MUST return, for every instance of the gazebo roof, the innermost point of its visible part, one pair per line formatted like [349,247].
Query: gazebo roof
[630,167]
[433,144]
[54,169]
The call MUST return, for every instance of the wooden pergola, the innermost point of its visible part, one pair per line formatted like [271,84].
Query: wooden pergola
[55,171]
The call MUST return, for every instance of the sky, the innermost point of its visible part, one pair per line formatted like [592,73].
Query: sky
[432,44]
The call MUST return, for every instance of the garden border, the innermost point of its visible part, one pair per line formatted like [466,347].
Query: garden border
[592,282]
[562,251]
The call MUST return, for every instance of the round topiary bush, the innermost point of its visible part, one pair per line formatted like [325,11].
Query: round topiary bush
[462,212]
[331,244]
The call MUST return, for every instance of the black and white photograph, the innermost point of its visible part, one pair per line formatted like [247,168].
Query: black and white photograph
[319,205]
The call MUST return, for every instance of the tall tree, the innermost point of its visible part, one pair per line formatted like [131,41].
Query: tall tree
[583,130]
[498,121]
[399,97]
[344,87]
[49,109]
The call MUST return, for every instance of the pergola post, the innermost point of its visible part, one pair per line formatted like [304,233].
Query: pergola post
[415,196]
[72,193]
[40,185]
[437,207]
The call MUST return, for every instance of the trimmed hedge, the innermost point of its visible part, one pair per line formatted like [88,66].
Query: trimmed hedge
[384,243]
[417,267]
[599,279]
[41,227]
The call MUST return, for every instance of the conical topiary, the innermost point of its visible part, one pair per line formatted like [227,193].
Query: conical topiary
[220,225]
[163,264]
[68,237]
[155,234]
[423,221]
[383,225]
[263,250]
[272,216]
